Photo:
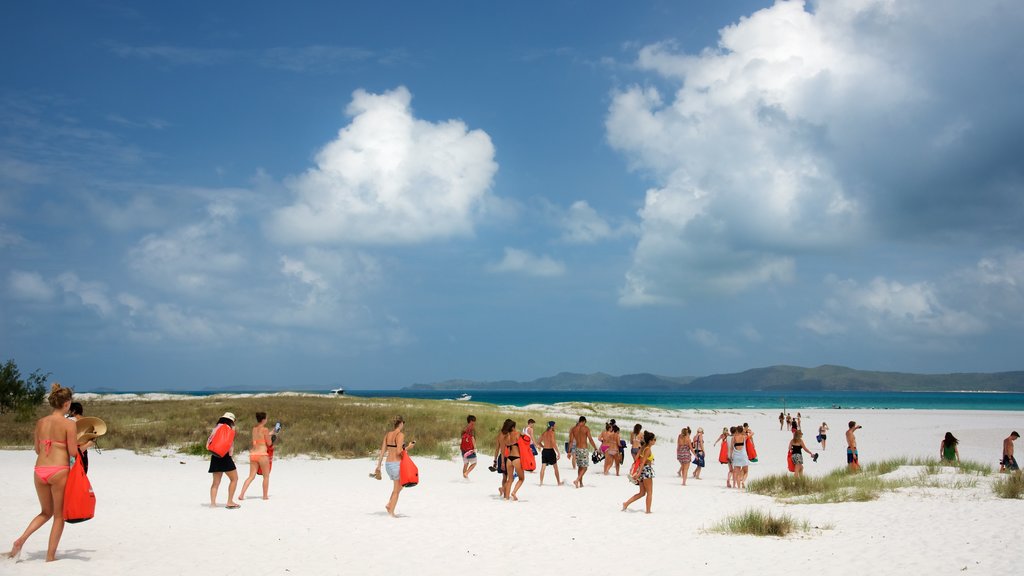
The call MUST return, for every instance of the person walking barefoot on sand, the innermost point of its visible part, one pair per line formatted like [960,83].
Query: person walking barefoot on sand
[948,451]
[740,461]
[579,436]
[549,453]
[508,444]
[823,434]
[1009,463]
[852,456]
[55,440]
[221,465]
[796,453]
[725,454]
[259,457]
[684,453]
[645,477]
[698,453]
[467,445]
[635,439]
[391,449]
[612,453]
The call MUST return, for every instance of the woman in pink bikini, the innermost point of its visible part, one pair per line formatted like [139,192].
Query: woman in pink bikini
[259,456]
[55,441]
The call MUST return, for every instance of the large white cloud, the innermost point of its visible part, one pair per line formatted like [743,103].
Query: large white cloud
[390,178]
[808,129]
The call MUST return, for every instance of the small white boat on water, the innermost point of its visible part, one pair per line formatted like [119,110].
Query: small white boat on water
[338,392]
[464,398]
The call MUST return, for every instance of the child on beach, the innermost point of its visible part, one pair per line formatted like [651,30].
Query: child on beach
[259,456]
[645,476]
[55,442]
[391,448]
[221,465]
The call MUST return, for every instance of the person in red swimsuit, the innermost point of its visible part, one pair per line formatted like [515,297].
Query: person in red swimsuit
[56,438]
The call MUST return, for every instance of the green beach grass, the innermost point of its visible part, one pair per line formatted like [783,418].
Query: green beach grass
[840,485]
[319,426]
[1009,486]
[757,523]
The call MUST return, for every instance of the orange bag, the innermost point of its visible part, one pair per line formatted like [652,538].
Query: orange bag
[221,439]
[789,462]
[79,500]
[751,451]
[529,461]
[723,454]
[408,473]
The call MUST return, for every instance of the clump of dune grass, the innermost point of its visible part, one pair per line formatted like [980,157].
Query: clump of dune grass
[322,426]
[1009,486]
[842,485]
[758,523]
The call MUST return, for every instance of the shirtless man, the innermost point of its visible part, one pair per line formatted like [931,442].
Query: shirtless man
[579,436]
[549,453]
[1009,463]
[852,457]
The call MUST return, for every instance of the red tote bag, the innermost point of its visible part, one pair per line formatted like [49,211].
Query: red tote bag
[79,499]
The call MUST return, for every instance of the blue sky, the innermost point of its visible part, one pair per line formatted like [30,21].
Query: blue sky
[204,194]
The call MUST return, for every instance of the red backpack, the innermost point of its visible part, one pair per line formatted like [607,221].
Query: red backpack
[79,499]
[467,442]
[221,439]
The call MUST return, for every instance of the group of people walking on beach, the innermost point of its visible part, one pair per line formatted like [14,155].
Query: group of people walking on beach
[58,443]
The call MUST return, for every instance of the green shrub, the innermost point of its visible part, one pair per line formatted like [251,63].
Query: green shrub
[1009,486]
[758,523]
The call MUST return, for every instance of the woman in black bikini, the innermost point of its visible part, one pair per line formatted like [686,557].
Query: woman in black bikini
[508,446]
[392,448]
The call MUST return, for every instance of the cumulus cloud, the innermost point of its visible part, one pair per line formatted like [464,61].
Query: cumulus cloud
[29,286]
[964,302]
[581,224]
[807,128]
[390,178]
[523,262]
[92,295]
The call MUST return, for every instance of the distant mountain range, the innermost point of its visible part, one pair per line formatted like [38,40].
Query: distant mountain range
[782,378]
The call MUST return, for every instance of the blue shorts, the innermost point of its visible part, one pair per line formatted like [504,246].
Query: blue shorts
[852,456]
[392,468]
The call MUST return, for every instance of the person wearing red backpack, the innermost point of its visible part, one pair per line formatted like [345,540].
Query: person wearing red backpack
[468,446]
[221,444]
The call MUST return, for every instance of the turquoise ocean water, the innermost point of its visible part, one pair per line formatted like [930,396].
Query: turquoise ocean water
[717,400]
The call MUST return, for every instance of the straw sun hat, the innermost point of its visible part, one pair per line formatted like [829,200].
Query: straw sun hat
[90,427]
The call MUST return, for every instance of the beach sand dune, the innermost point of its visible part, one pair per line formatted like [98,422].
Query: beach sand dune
[327,516]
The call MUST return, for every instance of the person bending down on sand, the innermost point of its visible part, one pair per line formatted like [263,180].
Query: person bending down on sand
[740,461]
[852,456]
[1009,463]
[579,436]
[507,444]
[221,465]
[698,453]
[684,453]
[635,439]
[948,450]
[55,442]
[645,477]
[467,445]
[259,457]
[391,448]
[612,454]
[549,453]
[796,453]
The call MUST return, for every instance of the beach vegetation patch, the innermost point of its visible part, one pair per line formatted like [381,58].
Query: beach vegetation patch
[22,396]
[1009,486]
[759,523]
[313,425]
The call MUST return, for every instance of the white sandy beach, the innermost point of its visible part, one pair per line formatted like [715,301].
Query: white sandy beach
[327,516]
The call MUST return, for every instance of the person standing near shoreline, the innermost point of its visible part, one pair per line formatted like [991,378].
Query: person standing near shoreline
[579,436]
[55,440]
[1009,463]
[698,453]
[635,439]
[852,456]
[391,448]
[221,465]
[823,434]
[259,456]
[467,445]
[549,453]
[645,476]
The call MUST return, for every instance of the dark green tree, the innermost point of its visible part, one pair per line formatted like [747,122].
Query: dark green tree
[21,395]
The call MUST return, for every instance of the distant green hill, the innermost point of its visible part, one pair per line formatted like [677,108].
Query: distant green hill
[782,378]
